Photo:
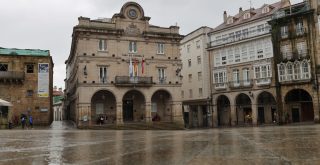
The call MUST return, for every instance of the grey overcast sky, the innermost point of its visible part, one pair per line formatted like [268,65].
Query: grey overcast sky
[47,24]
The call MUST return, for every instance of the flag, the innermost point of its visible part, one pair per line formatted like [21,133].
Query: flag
[135,67]
[142,65]
[130,68]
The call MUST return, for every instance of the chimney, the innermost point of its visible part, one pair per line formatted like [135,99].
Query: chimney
[55,88]
[225,16]
[60,89]
[240,10]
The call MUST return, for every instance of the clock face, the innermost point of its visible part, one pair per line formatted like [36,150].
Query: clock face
[132,13]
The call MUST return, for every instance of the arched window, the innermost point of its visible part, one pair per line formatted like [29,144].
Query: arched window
[246,16]
[289,71]
[297,71]
[281,69]
[305,70]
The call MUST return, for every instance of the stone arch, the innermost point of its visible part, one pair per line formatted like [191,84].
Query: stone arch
[243,109]
[133,106]
[298,106]
[103,106]
[266,106]
[224,110]
[161,106]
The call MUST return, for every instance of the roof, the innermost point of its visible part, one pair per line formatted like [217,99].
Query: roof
[24,52]
[255,14]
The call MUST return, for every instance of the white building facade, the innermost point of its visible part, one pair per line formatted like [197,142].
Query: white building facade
[241,58]
[195,91]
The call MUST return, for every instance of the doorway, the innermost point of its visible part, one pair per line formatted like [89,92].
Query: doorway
[295,115]
[128,110]
[261,115]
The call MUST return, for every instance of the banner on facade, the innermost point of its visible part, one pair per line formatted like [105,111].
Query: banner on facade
[43,80]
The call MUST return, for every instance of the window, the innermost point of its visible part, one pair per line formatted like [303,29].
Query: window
[103,74]
[189,62]
[220,78]
[245,33]
[190,93]
[3,67]
[286,51]
[268,48]
[265,9]
[262,73]
[162,75]
[230,55]
[246,15]
[282,76]
[29,68]
[302,49]
[252,31]
[217,58]
[199,76]
[198,44]
[231,37]
[160,49]
[296,69]
[289,71]
[190,77]
[29,93]
[260,28]
[246,78]
[132,47]
[102,45]
[223,57]
[259,46]
[199,59]
[200,92]
[238,35]
[251,50]
[244,54]
[236,77]
[182,94]
[236,54]
[305,70]
[284,32]
[188,48]
[299,28]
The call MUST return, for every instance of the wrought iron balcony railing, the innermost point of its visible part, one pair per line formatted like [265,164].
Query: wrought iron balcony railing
[133,81]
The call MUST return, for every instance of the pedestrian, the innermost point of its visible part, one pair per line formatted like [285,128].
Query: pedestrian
[30,121]
[101,120]
[23,121]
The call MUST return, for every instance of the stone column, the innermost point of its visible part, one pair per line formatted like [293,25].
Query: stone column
[233,115]
[254,109]
[316,108]
[177,113]
[190,117]
[148,116]
[215,116]
[119,113]
[200,116]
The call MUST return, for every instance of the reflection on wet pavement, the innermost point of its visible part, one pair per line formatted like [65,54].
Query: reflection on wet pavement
[61,144]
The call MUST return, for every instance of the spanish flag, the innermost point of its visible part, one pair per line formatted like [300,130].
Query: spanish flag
[142,65]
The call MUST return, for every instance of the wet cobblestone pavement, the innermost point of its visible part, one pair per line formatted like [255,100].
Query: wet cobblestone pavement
[61,144]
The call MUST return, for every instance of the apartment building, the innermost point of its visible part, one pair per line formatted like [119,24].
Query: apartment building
[241,62]
[294,36]
[195,92]
[26,82]
[123,70]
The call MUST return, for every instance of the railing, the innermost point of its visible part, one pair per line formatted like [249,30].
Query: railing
[11,75]
[290,11]
[263,81]
[222,85]
[133,81]
[241,83]
[239,37]
[162,80]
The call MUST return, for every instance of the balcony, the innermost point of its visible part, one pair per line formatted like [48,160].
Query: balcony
[220,86]
[11,76]
[133,81]
[241,84]
[263,81]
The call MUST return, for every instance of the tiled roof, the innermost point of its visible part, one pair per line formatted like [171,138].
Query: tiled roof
[24,52]
[255,14]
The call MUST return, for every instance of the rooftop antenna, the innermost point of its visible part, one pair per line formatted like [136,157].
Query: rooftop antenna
[250,4]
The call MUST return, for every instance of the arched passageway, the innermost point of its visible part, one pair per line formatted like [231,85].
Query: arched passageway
[103,107]
[267,112]
[299,106]
[161,106]
[224,111]
[243,109]
[133,106]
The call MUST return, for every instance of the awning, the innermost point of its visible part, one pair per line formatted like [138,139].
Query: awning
[5,103]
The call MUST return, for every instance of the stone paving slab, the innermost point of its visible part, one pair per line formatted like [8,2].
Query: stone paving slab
[60,144]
